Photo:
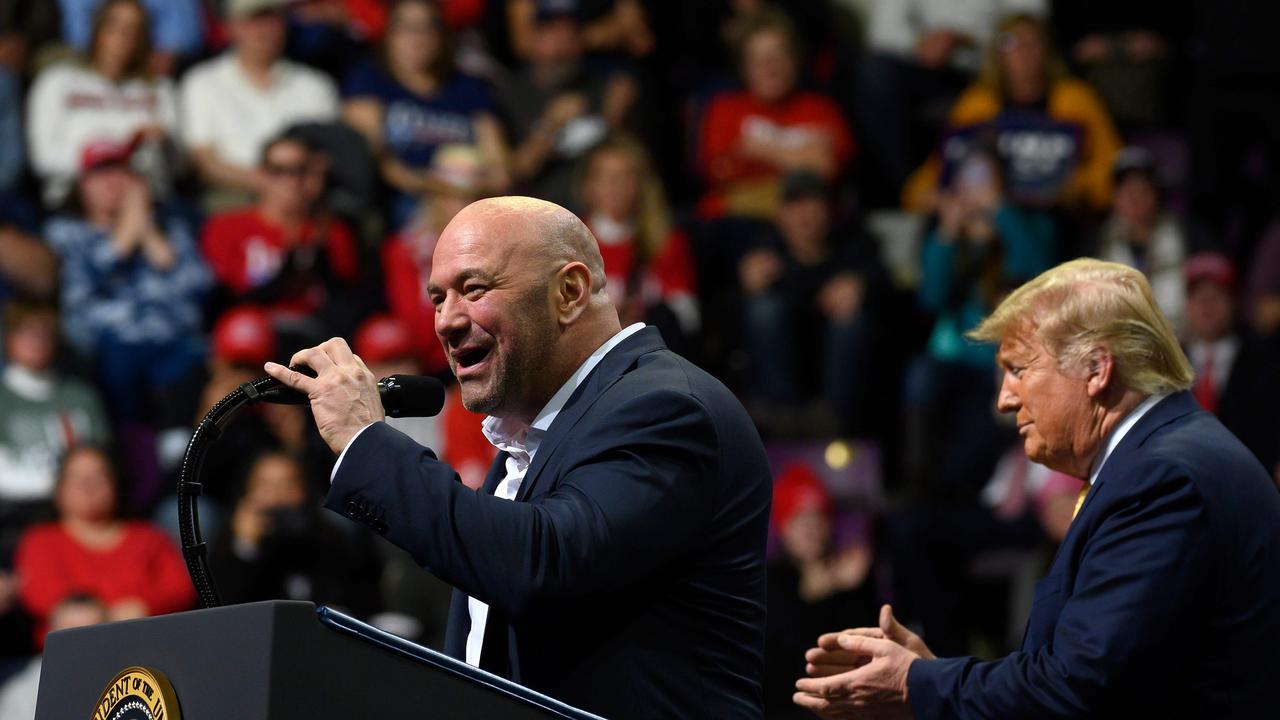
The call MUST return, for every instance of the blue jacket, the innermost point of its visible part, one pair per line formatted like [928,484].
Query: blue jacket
[1164,598]
[628,577]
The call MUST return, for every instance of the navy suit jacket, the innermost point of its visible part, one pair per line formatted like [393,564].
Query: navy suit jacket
[1163,600]
[628,577]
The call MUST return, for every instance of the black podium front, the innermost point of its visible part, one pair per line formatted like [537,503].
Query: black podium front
[278,660]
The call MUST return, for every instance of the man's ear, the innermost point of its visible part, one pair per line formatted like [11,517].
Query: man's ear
[1100,371]
[573,292]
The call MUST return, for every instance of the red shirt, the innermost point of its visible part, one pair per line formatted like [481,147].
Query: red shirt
[669,273]
[733,116]
[246,252]
[145,564]
[405,273]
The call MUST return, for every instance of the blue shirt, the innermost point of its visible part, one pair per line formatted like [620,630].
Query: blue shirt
[413,125]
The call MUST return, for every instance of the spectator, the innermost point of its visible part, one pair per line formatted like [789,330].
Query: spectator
[131,566]
[981,247]
[457,175]
[1237,376]
[176,33]
[278,546]
[1056,140]
[559,106]
[1125,51]
[18,694]
[109,95]
[805,295]
[1140,233]
[41,416]
[415,102]
[921,54]
[132,283]
[1263,289]
[811,582]
[749,138]
[648,265]
[232,105]
[285,253]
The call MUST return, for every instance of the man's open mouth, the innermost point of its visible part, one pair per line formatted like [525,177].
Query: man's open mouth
[469,357]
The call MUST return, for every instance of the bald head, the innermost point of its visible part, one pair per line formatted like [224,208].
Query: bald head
[535,231]
[518,285]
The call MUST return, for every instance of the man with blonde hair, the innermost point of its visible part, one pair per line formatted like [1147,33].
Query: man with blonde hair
[1164,598]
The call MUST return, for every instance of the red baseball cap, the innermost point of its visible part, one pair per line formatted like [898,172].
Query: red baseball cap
[383,337]
[244,336]
[106,151]
[798,489]
[1208,265]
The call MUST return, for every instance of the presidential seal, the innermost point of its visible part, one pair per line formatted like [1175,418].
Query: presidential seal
[138,693]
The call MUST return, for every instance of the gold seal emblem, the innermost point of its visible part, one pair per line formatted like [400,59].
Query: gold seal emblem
[138,693]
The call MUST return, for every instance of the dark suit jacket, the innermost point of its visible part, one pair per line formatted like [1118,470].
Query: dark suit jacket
[1163,600]
[628,577]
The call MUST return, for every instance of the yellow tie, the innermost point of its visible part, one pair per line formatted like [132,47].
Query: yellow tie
[1080,500]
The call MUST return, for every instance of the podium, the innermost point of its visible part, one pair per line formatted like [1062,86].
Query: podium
[276,660]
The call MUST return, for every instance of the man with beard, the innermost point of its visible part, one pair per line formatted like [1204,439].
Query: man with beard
[614,558]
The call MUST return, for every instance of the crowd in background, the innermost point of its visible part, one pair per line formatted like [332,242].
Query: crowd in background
[813,200]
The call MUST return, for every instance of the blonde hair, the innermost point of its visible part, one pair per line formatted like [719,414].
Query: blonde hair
[1084,304]
[652,214]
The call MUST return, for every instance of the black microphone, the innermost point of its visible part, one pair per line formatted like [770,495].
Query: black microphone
[402,395]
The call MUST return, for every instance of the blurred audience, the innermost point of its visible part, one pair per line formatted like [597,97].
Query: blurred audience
[27,266]
[649,268]
[806,324]
[1237,375]
[233,104]
[750,137]
[42,414]
[132,283]
[1055,138]
[130,565]
[1141,233]
[278,545]
[812,581]
[18,694]
[558,106]
[980,247]
[413,102]
[611,26]
[920,56]
[285,253]
[176,29]
[1126,51]
[111,94]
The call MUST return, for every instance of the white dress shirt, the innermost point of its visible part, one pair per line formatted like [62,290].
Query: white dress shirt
[1118,434]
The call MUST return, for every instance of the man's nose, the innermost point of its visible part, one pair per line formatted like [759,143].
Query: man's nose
[450,318]
[1006,399]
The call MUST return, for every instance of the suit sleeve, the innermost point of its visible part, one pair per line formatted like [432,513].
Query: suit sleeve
[1140,578]
[631,492]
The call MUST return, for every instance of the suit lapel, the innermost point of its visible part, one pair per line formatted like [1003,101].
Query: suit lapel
[1166,411]
[497,471]
[609,371]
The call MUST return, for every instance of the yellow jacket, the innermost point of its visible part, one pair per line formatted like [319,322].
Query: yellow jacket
[1070,101]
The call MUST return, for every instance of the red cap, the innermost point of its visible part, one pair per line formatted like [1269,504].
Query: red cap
[1210,266]
[798,489]
[108,152]
[244,336]
[383,337]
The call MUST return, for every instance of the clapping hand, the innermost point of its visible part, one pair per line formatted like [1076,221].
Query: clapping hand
[861,672]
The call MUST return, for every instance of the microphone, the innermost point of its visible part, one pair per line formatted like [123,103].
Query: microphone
[402,395]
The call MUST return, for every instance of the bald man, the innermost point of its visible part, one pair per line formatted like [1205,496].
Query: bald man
[615,557]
